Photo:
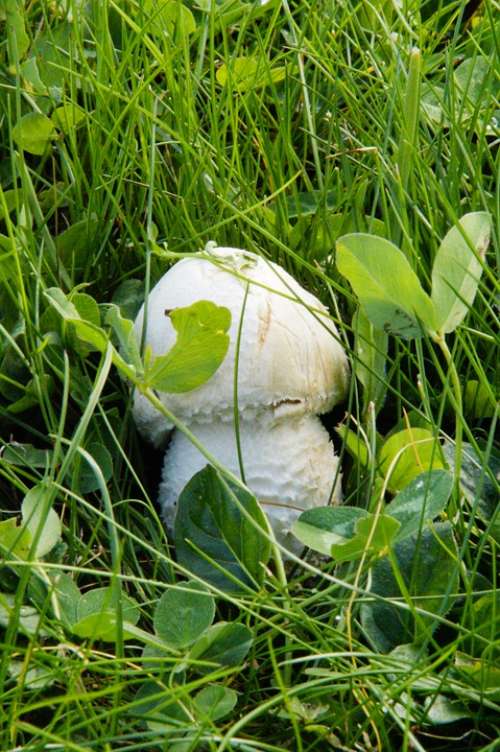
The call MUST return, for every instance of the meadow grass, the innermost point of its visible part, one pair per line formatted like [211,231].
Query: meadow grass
[274,127]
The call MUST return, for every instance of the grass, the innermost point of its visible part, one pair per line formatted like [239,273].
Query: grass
[275,128]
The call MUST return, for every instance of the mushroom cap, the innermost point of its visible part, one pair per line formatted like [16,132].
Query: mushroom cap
[290,360]
[289,465]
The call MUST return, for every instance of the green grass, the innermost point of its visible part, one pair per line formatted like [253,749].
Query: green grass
[337,128]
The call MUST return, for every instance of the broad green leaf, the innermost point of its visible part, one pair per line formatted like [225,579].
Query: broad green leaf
[387,287]
[479,400]
[483,621]
[52,51]
[86,480]
[129,296]
[422,500]
[161,713]
[408,453]
[457,269]
[85,330]
[224,644]
[124,330]
[87,307]
[33,133]
[63,306]
[9,200]
[373,535]
[68,596]
[78,242]
[31,395]
[36,677]
[40,519]
[182,615]
[471,78]
[483,674]
[480,483]
[97,615]
[68,116]
[209,527]
[247,73]
[309,202]
[427,564]
[322,527]
[370,346]
[440,709]
[88,311]
[355,444]
[201,346]
[169,16]
[214,702]
[31,77]
[27,618]
[26,455]
[18,40]
[58,591]
[14,540]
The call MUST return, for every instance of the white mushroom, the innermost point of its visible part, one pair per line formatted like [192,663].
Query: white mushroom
[289,465]
[290,361]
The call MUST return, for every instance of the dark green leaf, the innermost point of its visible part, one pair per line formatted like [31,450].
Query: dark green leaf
[160,712]
[224,541]
[129,296]
[26,455]
[214,702]
[427,564]
[422,500]
[471,78]
[78,242]
[441,709]
[388,289]
[303,204]
[480,482]
[201,346]
[86,479]
[183,614]
[223,644]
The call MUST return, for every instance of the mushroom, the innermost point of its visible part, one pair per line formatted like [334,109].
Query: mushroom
[288,464]
[291,368]
[290,361]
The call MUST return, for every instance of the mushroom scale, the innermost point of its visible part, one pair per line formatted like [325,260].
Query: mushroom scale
[289,465]
[290,361]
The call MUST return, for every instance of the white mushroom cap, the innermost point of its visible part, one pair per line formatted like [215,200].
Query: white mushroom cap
[289,465]
[290,359]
